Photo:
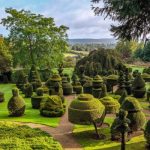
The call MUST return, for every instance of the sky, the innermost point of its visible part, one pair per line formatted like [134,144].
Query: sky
[75,14]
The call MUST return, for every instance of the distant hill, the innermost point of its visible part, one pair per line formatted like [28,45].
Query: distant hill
[104,41]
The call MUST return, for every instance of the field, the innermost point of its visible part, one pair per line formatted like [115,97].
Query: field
[31,115]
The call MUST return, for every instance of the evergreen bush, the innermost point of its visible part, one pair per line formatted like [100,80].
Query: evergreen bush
[87,87]
[147,134]
[16,104]
[135,114]
[2,98]
[67,87]
[28,90]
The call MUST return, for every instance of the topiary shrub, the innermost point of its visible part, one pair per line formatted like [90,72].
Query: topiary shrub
[34,78]
[36,99]
[135,114]
[52,106]
[67,87]
[16,104]
[111,105]
[77,87]
[111,81]
[146,77]
[28,90]
[123,96]
[2,97]
[121,119]
[99,61]
[138,87]
[86,110]
[87,87]
[147,134]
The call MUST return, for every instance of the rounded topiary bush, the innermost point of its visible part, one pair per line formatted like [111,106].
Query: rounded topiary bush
[138,87]
[16,104]
[67,87]
[36,99]
[85,109]
[52,106]
[77,87]
[111,105]
[135,114]
[2,97]
[147,133]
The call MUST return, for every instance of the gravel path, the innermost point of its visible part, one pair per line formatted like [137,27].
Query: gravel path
[62,133]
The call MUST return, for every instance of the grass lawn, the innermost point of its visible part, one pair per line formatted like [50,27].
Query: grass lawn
[84,135]
[31,115]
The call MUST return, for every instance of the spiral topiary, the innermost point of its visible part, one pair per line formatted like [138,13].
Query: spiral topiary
[135,114]
[138,87]
[85,109]
[111,105]
[147,133]
[36,99]
[52,106]
[16,104]
[67,87]
[28,90]
[2,98]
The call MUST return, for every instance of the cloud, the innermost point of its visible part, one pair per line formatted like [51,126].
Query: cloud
[77,15]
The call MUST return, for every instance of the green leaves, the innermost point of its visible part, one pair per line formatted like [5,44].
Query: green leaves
[35,38]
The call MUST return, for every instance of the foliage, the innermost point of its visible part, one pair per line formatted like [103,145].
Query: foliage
[101,61]
[133,17]
[5,56]
[111,105]
[16,105]
[2,98]
[85,109]
[36,37]
[14,136]
[28,90]
[147,133]
[30,115]
[135,114]
[67,87]
[138,86]
[52,106]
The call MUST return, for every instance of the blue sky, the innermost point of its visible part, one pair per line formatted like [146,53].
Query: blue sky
[76,14]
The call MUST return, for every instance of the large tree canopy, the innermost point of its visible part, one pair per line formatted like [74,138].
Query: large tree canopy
[35,39]
[5,56]
[133,17]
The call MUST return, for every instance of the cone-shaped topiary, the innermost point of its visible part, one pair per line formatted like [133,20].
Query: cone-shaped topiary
[123,96]
[86,110]
[135,114]
[36,99]
[138,87]
[28,90]
[2,97]
[52,106]
[87,87]
[147,134]
[34,78]
[67,87]
[111,105]
[16,105]
[111,81]
[99,61]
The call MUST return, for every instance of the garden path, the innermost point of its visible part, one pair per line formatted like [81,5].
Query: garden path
[62,133]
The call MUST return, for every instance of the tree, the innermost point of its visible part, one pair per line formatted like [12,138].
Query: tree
[35,39]
[132,16]
[5,56]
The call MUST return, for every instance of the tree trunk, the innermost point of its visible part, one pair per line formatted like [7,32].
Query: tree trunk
[97,134]
[123,141]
